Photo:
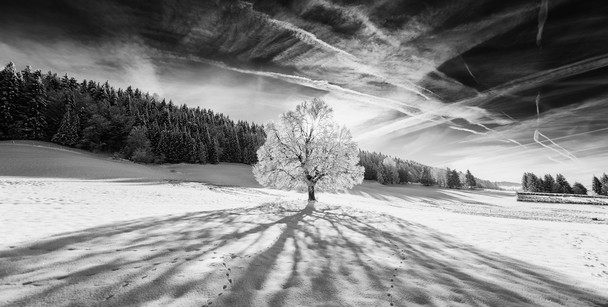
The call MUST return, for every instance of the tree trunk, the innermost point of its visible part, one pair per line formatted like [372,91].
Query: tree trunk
[311,192]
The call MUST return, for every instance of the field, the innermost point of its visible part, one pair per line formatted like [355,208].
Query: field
[81,229]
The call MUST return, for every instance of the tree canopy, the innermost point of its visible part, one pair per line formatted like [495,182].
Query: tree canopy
[307,150]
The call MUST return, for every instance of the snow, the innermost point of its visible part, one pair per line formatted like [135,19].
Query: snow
[159,242]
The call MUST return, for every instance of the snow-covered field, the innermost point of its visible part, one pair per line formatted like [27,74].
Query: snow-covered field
[159,239]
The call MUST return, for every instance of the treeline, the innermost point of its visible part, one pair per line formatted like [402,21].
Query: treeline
[600,186]
[547,184]
[390,170]
[134,125]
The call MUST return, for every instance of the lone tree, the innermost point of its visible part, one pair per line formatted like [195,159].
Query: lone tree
[307,150]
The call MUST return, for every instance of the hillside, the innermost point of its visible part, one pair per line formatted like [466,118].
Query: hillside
[46,160]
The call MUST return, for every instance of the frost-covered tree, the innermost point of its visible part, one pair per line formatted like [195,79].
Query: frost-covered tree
[307,150]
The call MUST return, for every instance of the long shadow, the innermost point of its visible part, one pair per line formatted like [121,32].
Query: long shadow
[276,255]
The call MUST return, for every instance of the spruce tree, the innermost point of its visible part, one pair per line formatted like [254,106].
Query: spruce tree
[9,97]
[564,186]
[456,179]
[549,184]
[604,185]
[33,104]
[449,182]
[470,180]
[596,186]
[68,133]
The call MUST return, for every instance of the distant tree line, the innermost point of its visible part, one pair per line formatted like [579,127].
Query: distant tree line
[135,125]
[389,170]
[547,184]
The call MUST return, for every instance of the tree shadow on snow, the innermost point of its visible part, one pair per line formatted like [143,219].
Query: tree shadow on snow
[276,255]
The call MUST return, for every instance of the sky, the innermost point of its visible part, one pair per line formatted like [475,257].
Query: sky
[497,88]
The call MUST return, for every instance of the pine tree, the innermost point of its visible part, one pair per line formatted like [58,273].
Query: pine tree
[449,182]
[604,184]
[456,180]
[9,97]
[564,186]
[524,182]
[470,180]
[68,133]
[596,186]
[549,184]
[34,105]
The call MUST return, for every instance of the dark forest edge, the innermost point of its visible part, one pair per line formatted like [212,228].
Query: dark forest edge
[129,123]
[145,128]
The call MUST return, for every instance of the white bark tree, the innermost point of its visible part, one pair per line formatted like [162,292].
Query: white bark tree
[307,150]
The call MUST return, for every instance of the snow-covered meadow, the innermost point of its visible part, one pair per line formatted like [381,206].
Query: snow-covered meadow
[165,240]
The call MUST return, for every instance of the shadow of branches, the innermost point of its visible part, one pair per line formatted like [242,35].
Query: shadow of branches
[275,254]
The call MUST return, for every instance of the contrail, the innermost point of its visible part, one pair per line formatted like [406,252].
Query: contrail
[537,133]
[308,37]
[563,152]
[518,143]
[467,130]
[469,70]
[542,18]
[484,126]
[537,110]
[535,79]
[555,160]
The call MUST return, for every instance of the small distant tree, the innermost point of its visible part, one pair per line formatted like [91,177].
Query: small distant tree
[70,124]
[10,90]
[524,182]
[471,183]
[426,178]
[578,188]
[404,176]
[596,186]
[532,183]
[564,186]
[456,179]
[604,184]
[549,184]
[448,178]
[306,149]
[390,170]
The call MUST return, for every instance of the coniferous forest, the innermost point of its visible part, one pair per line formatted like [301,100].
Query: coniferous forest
[135,125]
